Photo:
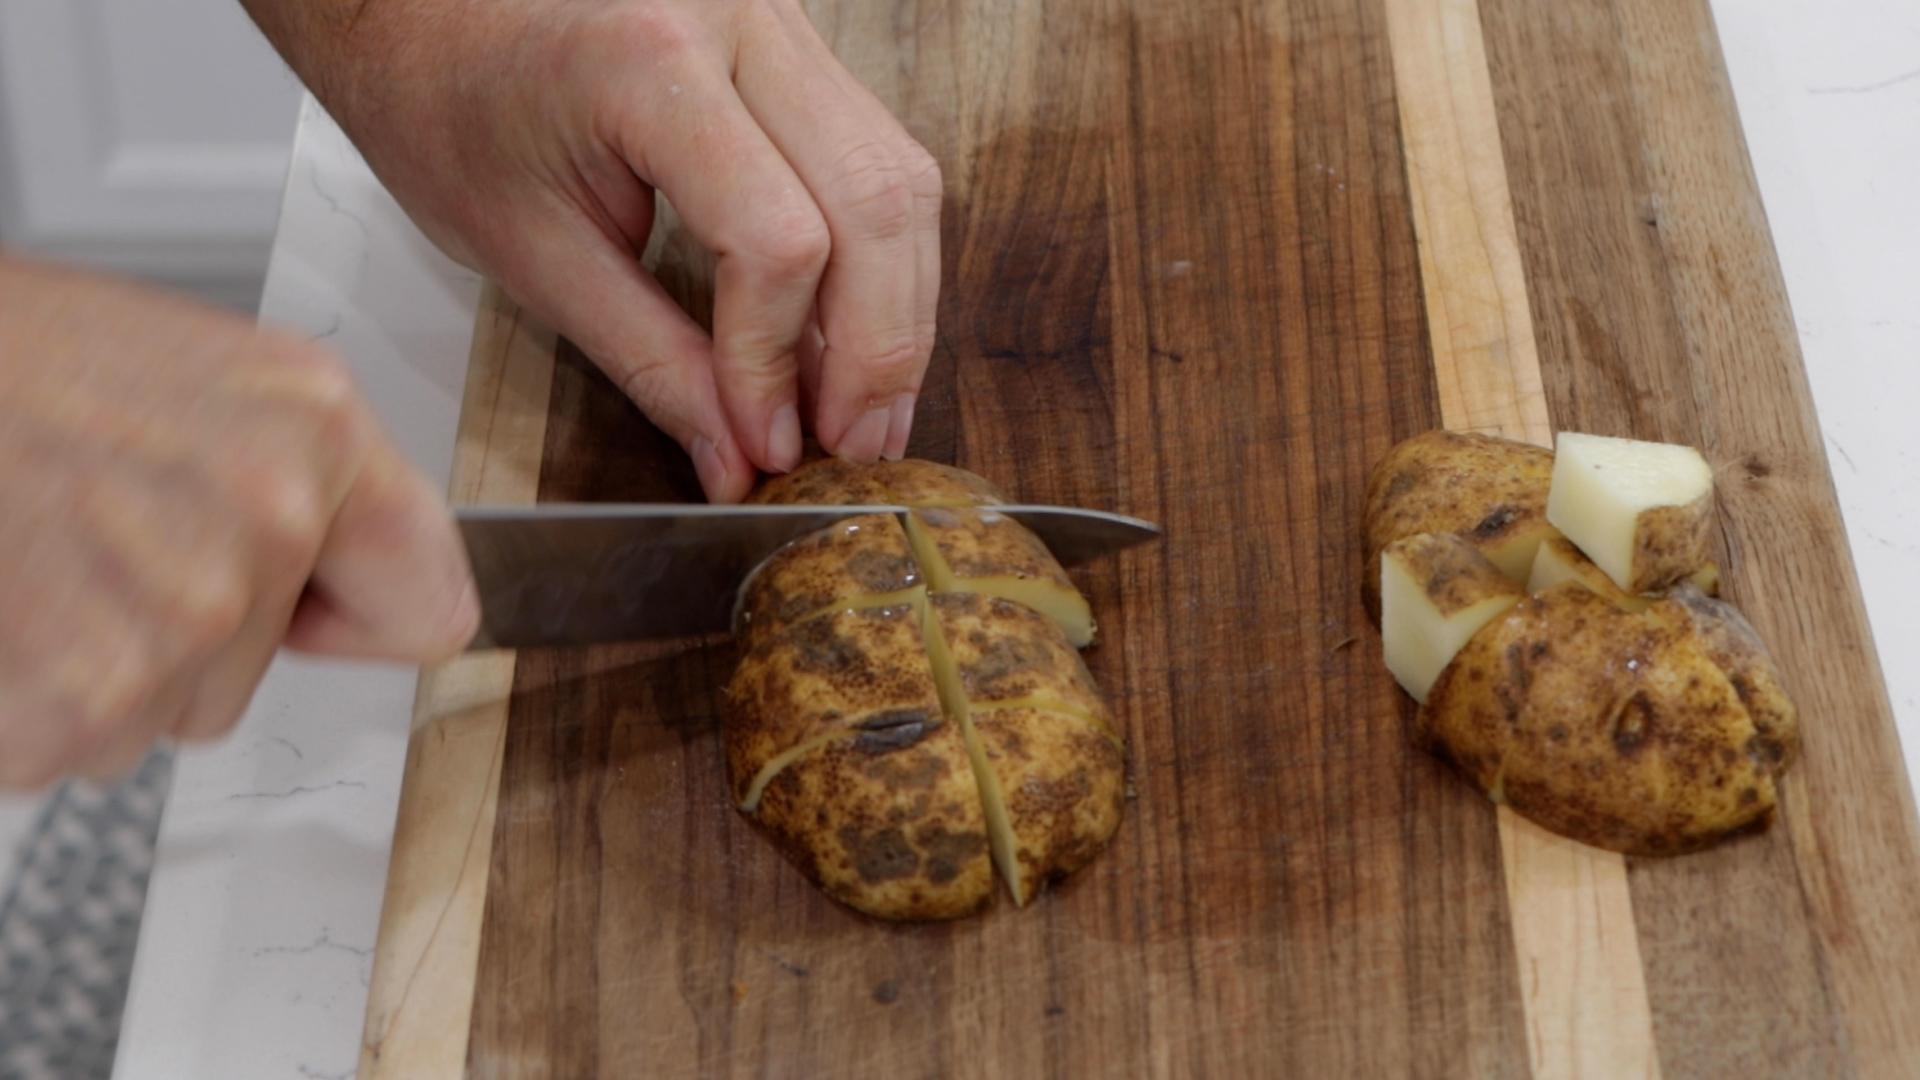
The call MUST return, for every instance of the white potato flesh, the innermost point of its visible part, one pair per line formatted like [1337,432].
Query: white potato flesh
[1606,491]
[1436,592]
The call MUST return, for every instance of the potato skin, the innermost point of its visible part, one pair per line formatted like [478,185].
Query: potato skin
[863,556]
[1736,648]
[891,826]
[1009,652]
[821,675]
[833,482]
[1618,730]
[1492,492]
[1671,543]
[1063,779]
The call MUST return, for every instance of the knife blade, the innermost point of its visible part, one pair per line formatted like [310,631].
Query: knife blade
[579,574]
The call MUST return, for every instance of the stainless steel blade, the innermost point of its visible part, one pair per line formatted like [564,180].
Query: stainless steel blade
[577,574]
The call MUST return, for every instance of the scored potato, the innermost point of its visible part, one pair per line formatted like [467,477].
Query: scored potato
[863,561]
[821,676]
[833,482]
[1060,781]
[979,551]
[1006,654]
[889,821]
[1642,511]
[931,484]
[1614,728]
[1435,593]
[1491,492]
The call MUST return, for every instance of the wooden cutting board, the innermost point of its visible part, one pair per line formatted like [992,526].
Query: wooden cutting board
[1205,262]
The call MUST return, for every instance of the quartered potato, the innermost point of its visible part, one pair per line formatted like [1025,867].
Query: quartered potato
[1620,703]
[1490,492]
[1614,728]
[911,712]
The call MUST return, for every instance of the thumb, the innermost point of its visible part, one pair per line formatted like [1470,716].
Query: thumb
[392,580]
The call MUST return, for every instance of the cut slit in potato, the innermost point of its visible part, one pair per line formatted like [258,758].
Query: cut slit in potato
[1558,561]
[953,698]
[1640,510]
[1436,592]
[979,551]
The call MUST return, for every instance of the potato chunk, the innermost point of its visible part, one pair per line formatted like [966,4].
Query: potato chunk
[1061,783]
[1614,728]
[1491,492]
[1640,510]
[1435,593]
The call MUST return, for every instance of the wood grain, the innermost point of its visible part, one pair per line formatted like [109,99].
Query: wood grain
[1585,992]
[1204,263]
[424,961]
[1662,315]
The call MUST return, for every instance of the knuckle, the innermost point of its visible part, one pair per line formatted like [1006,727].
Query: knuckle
[876,191]
[286,515]
[793,243]
[892,360]
[924,178]
[208,607]
[654,31]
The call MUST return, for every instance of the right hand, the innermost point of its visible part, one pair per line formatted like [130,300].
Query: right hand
[180,495]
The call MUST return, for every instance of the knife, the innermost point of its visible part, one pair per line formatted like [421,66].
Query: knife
[585,573]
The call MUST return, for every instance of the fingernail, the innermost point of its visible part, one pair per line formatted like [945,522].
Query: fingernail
[899,427]
[783,439]
[867,437]
[707,463]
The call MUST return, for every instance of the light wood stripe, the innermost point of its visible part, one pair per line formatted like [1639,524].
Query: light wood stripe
[420,1003]
[1582,984]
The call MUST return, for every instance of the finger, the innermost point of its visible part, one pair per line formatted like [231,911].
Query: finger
[128,747]
[392,580]
[742,201]
[879,192]
[227,683]
[596,293]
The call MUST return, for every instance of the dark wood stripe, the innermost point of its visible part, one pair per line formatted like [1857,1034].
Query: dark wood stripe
[1661,314]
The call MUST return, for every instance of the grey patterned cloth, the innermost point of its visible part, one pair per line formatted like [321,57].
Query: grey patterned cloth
[69,922]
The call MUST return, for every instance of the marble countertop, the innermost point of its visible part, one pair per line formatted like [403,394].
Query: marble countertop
[264,904]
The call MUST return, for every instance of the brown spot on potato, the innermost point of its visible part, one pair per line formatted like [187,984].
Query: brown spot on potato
[949,852]
[881,571]
[921,772]
[879,856]
[1496,522]
[1633,724]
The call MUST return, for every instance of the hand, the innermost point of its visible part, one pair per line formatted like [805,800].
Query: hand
[527,137]
[181,494]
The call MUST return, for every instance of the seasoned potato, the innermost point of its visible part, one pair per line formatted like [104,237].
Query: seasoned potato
[910,712]
[979,551]
[1490,492]
[863,561]
[1642,511]
[1614,728]
[888,821]
[1436,592]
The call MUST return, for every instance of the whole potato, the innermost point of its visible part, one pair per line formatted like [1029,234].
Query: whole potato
[1617,729]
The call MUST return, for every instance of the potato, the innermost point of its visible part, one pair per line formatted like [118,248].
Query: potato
[1436,592]
[910,713]
[979,551]
[1558,560]
[1642,511]
[1006,655]
[1737,649]
[1617,729]
[862,561]
[888,821]
[822,675]
[1491,492]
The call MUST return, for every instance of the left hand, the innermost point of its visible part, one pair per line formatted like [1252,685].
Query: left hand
[527,138]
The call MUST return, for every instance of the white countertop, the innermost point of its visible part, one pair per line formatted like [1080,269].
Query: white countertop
[264,903]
